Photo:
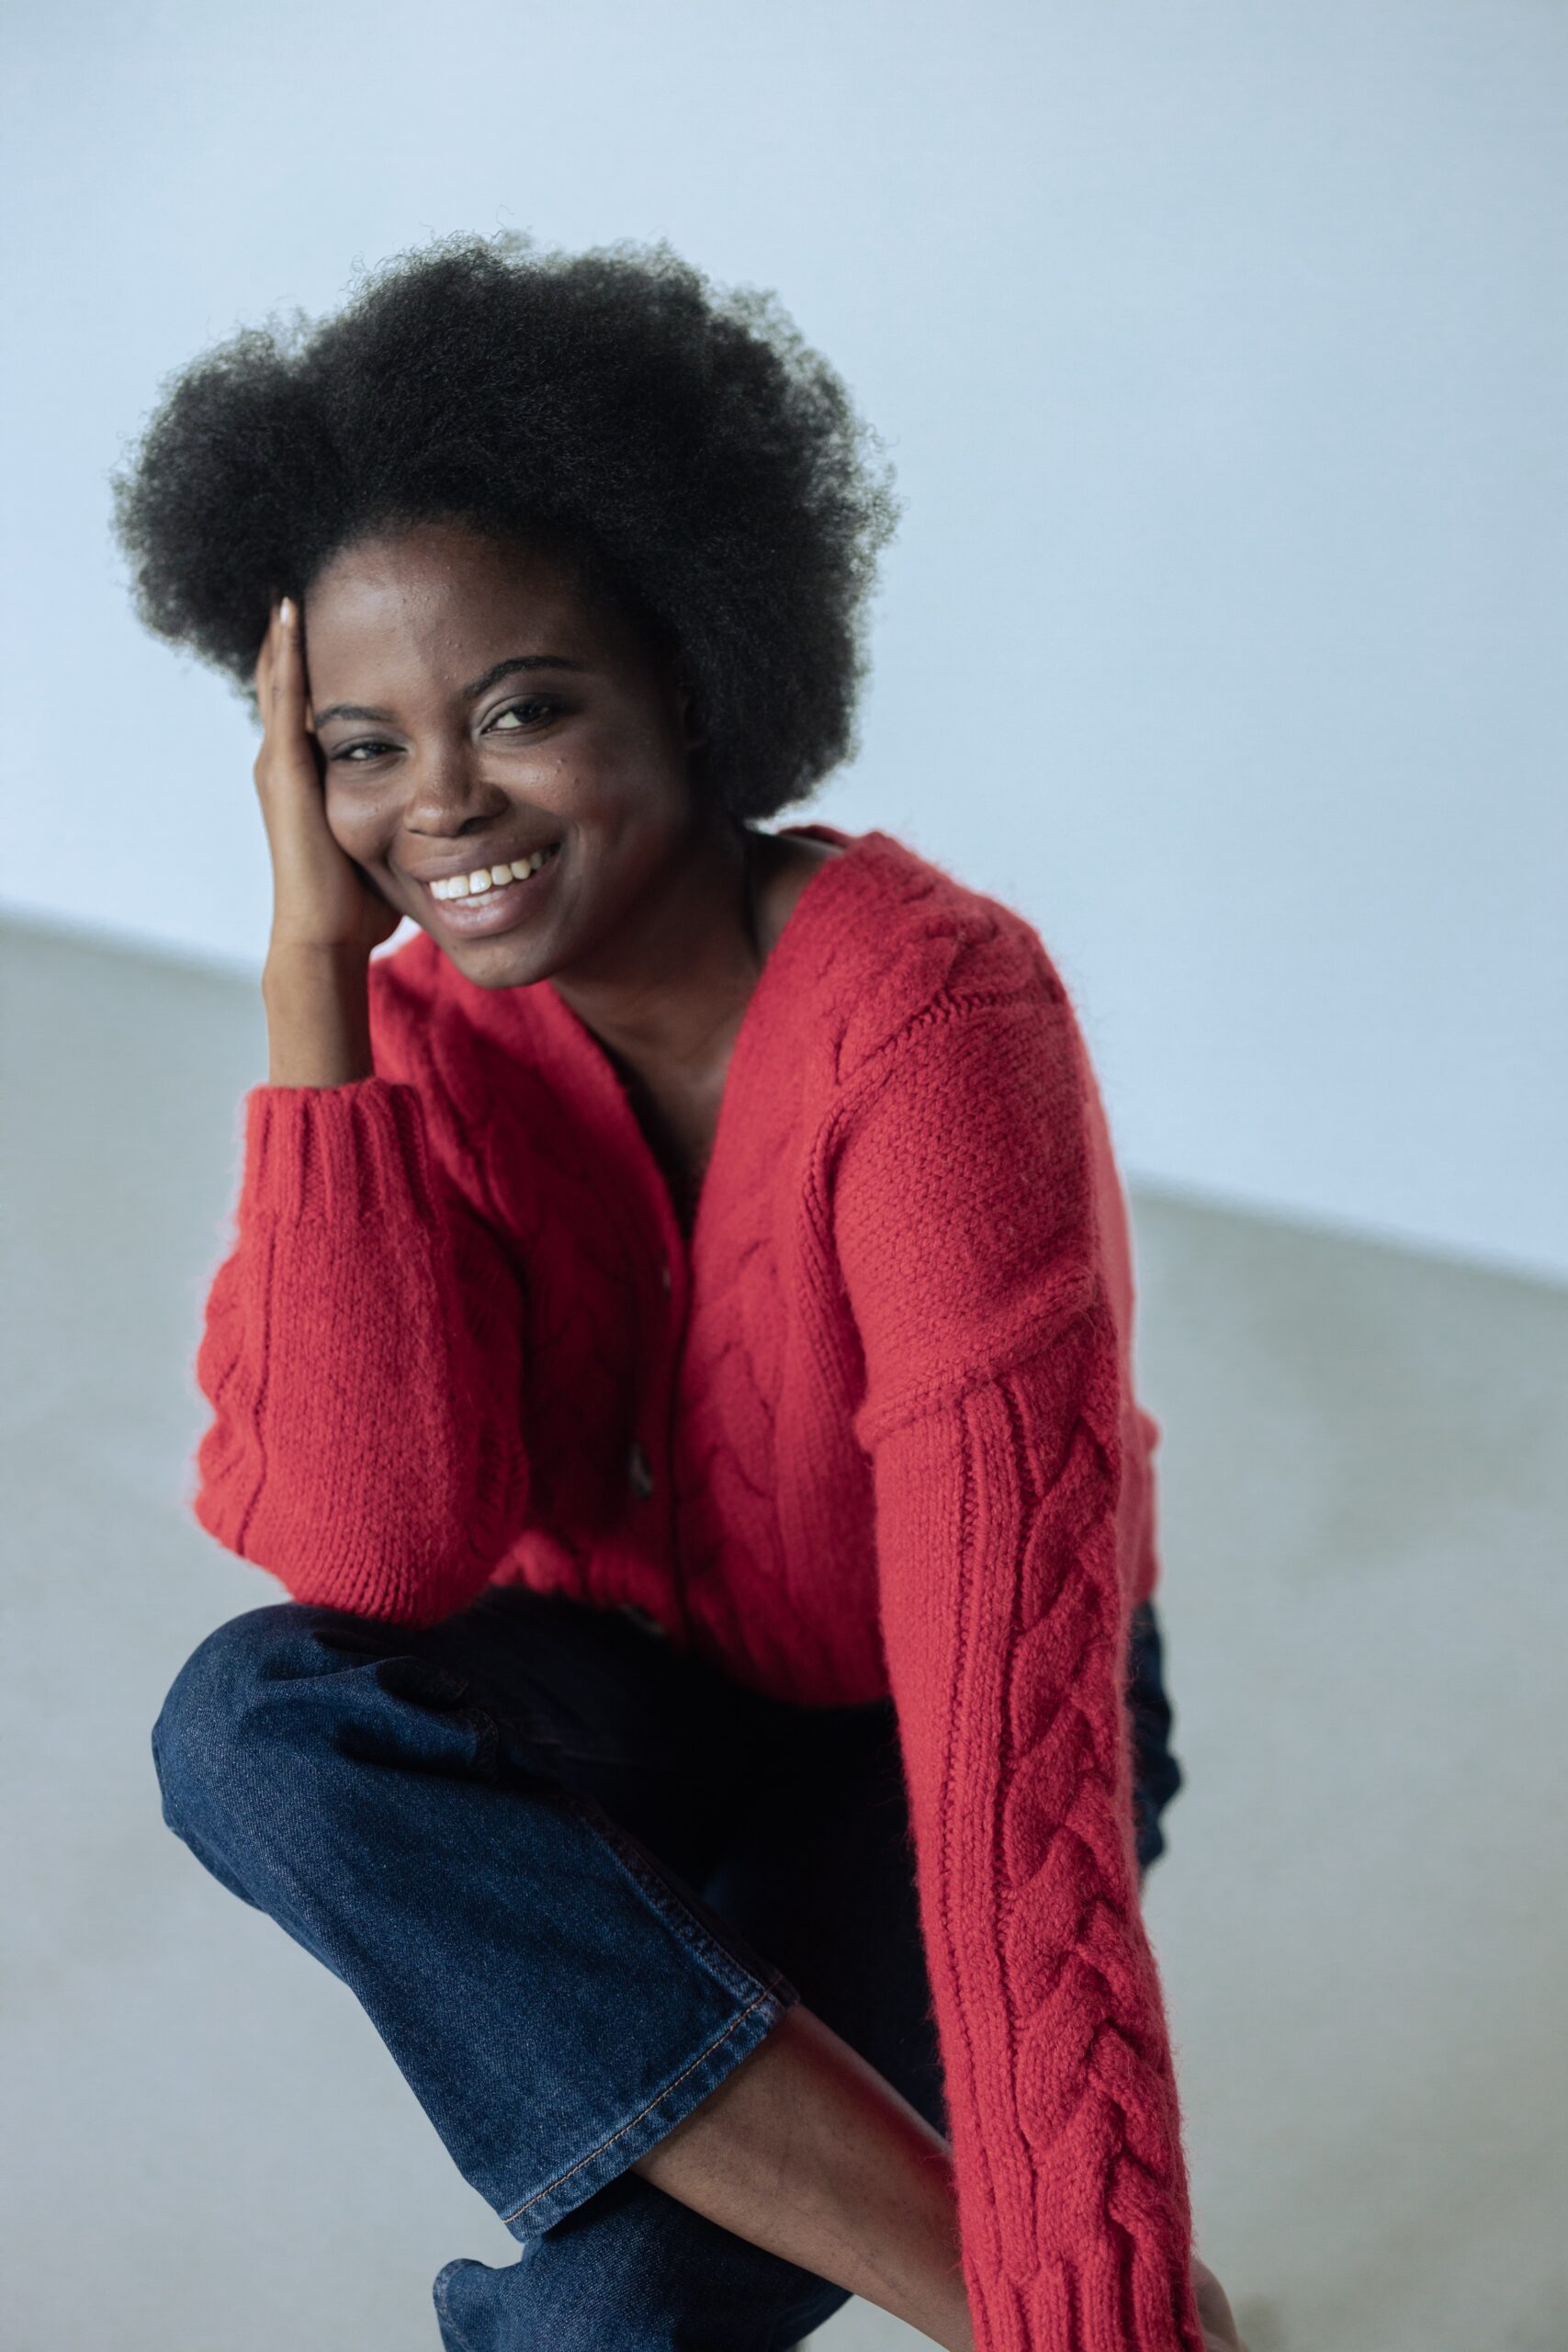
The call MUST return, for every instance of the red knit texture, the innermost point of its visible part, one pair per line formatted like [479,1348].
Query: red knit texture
[870,1431]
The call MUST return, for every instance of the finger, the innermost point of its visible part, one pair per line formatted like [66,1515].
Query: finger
[288,670]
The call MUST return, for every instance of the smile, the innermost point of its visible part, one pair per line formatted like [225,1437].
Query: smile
[490,878]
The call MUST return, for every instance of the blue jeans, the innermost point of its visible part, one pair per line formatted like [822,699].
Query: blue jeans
[573,1878]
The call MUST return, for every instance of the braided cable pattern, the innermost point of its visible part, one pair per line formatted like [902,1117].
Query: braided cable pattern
[971,1225]
[1005,1629]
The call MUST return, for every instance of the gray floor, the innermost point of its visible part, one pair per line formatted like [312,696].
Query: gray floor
[1361,1921]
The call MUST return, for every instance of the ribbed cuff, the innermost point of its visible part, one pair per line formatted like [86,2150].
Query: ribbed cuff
[336,1152]
[1111,2298]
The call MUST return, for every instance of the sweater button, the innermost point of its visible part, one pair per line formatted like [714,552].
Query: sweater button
[664,1275]
[640,1472]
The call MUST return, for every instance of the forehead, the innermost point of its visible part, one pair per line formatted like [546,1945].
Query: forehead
[430,609]
[438,583]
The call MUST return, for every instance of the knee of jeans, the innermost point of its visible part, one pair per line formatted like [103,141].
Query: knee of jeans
[211,1709]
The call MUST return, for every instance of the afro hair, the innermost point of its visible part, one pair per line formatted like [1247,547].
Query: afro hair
[685,447]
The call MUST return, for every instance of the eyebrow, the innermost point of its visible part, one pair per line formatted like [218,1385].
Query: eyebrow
[471,693]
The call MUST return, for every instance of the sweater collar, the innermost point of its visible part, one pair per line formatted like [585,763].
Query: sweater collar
[790,957]
[795,955]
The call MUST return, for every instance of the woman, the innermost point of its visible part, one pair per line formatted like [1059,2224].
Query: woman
[673,1353]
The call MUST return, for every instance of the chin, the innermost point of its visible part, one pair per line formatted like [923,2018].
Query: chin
[494,965]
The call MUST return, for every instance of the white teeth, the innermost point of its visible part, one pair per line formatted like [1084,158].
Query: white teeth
[489,878]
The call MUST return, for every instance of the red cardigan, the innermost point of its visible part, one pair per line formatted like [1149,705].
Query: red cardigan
[872,1430]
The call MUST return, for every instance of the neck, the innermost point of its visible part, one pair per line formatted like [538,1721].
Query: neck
[669,1005]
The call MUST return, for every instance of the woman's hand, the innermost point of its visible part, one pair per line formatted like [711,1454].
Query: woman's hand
[320,898]
[326,915]
[1214,2309]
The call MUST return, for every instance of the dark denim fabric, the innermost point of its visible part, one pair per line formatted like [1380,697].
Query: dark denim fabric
[1157,1773]
[573,1878]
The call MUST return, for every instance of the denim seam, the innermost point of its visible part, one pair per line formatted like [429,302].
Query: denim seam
[483,1719]
[723,1966]
[766,1995]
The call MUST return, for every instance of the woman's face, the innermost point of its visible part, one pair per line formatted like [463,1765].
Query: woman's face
[471,707]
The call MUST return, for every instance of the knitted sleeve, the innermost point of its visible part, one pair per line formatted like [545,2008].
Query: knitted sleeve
[362,1354]
[964,1223]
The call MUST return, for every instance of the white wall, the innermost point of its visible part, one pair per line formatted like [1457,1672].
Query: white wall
[1221,354]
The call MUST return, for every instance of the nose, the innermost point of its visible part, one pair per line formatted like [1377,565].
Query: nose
[445,791]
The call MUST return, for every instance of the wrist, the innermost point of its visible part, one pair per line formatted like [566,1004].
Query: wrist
[286,955]
[318,1013]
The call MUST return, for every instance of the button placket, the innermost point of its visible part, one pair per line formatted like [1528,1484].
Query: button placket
[640,1471]
[639,1468]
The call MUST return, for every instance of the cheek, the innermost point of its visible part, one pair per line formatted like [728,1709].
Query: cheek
[633,759]
[357,816]
[643,805]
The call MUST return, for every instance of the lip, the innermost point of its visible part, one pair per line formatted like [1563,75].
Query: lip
[493,909]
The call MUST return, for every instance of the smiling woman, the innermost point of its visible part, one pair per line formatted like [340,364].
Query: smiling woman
[675,1355]
[439,773]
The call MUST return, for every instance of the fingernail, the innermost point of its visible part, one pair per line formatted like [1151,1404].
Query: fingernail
[285,612]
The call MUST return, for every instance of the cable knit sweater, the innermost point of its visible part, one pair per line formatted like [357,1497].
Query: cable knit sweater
[870,1430]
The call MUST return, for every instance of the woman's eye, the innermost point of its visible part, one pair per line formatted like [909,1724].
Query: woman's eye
[520,715]
[517,709]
